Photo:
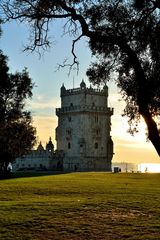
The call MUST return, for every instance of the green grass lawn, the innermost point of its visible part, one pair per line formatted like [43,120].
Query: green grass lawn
[80,206]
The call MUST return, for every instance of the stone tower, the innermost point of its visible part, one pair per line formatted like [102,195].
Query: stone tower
[83,132]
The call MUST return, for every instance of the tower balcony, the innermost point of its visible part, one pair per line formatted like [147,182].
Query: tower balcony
[78,109]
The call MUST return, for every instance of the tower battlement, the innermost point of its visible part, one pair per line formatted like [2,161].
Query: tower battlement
[84,89]
[65,92]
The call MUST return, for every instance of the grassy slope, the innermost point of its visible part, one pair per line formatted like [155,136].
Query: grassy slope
[80,206]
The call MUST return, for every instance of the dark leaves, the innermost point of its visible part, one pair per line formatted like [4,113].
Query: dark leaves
[17,133]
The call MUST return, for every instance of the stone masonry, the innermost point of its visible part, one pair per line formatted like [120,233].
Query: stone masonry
[83,132]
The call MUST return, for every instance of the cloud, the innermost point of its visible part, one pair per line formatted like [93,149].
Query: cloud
[134,149]
[120,128]
[42,102]
[42,105]
[115,101]
[45,127]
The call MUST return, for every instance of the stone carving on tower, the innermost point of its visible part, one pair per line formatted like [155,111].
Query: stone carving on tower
[83,132]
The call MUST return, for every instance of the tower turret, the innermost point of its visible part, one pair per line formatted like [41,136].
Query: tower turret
[40,148]
[50,146]
[82,85]
[105,89]
[63,89]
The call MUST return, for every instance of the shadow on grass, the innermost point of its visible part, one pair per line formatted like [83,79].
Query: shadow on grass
[31,174]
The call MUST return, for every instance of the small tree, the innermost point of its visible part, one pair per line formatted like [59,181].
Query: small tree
[17,135]
[124,37]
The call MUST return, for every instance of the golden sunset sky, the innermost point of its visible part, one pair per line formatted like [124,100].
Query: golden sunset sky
[46,93]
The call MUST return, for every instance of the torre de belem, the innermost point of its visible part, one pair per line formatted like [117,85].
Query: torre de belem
[83,135]
[83,131]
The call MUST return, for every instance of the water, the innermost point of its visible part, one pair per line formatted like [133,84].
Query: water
[149,167]
[133,167]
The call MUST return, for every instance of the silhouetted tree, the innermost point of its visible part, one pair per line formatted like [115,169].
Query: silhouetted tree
[123,35]
[17,135]
[144,4]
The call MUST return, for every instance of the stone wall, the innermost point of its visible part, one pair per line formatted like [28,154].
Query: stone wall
[83,131]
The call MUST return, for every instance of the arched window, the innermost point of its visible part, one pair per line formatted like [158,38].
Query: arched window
[96,145]
[96,118]
[69,145]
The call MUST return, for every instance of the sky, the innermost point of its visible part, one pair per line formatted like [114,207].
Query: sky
[48,80]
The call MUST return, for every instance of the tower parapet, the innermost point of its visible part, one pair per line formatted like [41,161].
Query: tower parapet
[85,108]
[73,91]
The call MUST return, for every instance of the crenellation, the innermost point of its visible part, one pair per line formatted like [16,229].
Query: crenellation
[76,91]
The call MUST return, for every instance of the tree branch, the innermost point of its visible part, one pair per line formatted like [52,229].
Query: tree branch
[41,20]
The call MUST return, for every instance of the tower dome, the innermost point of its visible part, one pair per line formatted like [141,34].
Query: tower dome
[50,146]
[82,85]
[105,89]
[63,89]
[40,148]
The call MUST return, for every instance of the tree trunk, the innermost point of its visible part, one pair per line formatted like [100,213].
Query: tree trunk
[4,172]
[142,97]
[153,133]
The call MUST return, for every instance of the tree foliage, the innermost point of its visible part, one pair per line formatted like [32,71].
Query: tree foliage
[123,35]
[17,133]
